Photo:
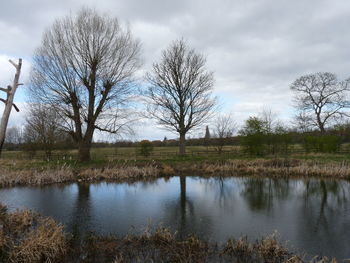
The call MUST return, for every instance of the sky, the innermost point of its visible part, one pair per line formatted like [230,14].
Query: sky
[256,49]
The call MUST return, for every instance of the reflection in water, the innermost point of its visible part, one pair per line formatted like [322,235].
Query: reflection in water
[314,215]
[180,214]
[325,212]
[80,219]
[260,192]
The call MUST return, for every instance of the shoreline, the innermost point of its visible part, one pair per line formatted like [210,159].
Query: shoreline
[27,236]
[131,172]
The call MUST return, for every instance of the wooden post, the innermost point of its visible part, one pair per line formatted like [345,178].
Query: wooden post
[10,92]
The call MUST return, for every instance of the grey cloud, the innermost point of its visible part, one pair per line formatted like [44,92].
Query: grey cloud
[255,48]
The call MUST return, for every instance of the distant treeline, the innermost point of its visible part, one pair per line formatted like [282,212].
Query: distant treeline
[257,143]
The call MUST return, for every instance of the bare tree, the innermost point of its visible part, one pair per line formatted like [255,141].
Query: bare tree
[10,94]
[179,96]
[84,70]
[224,128]
[14,135]
[43,127]
[303,122]
[320,98]
[269,119]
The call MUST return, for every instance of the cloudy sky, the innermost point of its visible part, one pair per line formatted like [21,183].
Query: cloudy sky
[255,48]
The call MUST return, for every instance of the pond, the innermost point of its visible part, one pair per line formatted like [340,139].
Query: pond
[311,215]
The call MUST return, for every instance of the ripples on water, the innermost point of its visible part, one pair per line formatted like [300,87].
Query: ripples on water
[313,215]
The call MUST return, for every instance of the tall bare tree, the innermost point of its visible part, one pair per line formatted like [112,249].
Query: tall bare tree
[179,95]
[321,98]
[224,127]
[84,70]
[10,94]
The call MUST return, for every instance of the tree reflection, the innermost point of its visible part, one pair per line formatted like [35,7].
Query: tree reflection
[80,221]
[323,215]
[326,197]
[223,189]
[260,193]
[182,215]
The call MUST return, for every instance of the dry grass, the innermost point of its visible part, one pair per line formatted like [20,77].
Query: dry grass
[36,176]
[163,245]
[274,167]
[127,172]
[28,237]
[119,173]
[66,174]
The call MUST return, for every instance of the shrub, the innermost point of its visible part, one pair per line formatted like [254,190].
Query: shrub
[323,143]
[145,148]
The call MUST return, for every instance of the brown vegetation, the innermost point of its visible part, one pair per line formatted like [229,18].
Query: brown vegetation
[28,237]
[64,174]
[163,245]
[119,173]
[126,172]
[35,176]
[273,167]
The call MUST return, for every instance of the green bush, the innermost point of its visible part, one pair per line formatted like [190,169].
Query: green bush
[253,144]
[322,143]
[145,148]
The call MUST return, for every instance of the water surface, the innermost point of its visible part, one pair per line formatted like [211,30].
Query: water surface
[312,215]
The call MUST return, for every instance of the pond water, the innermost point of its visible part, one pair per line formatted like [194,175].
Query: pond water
[312,215]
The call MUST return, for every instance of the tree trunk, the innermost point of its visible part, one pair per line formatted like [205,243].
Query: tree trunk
[84,151]
[9,102]
[320,124]
[182,147]
[183,192]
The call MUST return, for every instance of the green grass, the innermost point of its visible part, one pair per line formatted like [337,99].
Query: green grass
[167,155]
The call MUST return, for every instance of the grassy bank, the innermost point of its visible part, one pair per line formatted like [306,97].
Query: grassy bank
[19,174]
[28,237]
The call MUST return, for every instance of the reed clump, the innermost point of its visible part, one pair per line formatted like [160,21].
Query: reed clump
[162,245]
[28,237]
[274,167]
[36,176]
[122,173]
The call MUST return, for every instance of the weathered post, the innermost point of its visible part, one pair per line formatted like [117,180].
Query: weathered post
[10,92]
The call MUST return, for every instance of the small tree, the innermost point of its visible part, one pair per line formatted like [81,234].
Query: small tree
[320,99]
[42,128]
[253,138]
[224,127]
[179,95]
[14,135]
[146,148]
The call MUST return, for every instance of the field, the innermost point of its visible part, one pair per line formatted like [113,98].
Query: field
[166,155]
[122,153]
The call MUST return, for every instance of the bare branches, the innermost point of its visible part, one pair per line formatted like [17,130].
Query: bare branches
[85,67]
[224,128]
[320,98]
[179,96]
[43,127]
